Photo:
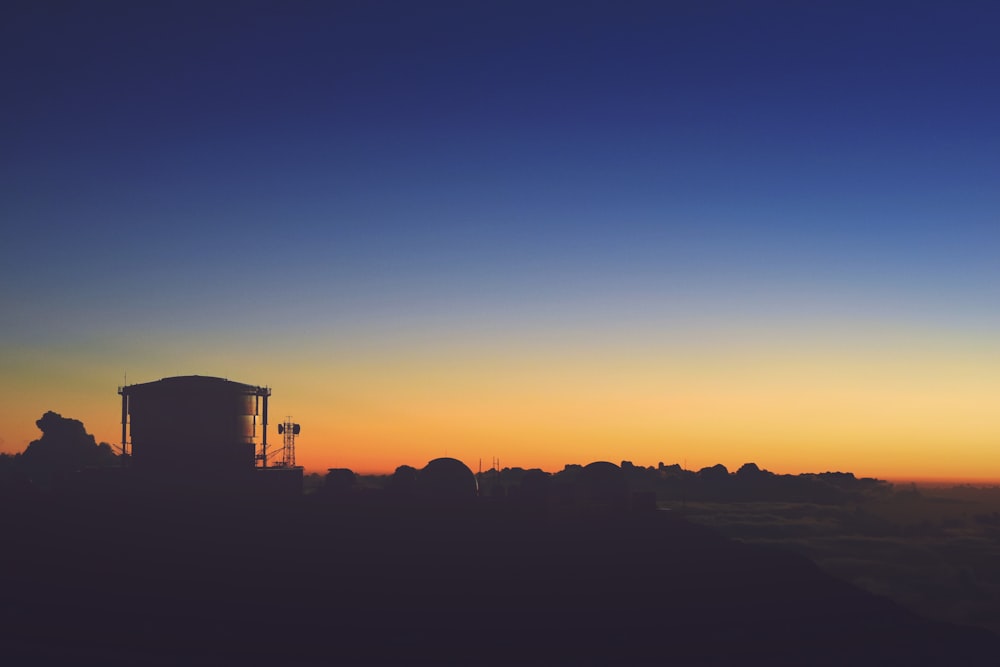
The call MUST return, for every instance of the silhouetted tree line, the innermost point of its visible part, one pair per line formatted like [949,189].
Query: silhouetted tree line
[711,484]
[64,449]
[604,485]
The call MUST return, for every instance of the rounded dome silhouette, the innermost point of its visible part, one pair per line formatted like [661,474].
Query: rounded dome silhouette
[403,482]
[602,483]
[447,479]
[339,479]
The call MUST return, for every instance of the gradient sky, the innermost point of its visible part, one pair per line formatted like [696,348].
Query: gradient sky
[696,232]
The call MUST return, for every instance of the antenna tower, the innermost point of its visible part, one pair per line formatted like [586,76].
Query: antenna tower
[289,430]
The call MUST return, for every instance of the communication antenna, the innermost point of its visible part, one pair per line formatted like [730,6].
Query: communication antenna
[289,430]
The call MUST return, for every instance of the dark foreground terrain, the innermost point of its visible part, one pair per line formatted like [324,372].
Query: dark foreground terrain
[142,579]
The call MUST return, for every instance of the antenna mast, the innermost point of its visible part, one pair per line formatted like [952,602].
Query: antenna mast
[289,430]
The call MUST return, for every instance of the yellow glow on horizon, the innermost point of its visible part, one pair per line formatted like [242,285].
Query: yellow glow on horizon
[783,410]
[889,408]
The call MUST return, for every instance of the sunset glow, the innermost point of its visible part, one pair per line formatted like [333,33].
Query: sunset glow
[603,233]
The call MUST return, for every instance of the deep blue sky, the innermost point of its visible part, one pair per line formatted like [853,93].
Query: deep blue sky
[469,131]
[388,168]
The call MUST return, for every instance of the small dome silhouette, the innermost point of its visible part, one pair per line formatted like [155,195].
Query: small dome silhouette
[403,481]
[447,479]
[339,479]
[602,484]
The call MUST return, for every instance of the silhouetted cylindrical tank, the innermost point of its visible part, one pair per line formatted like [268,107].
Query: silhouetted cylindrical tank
[193,422]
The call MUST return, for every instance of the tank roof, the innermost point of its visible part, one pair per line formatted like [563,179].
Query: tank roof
[197,381]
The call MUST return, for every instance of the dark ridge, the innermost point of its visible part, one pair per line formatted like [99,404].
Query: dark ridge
[180,566]
[140,576]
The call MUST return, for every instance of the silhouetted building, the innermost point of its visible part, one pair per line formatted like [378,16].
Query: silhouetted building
[339,480]
[280,482]
[193,423]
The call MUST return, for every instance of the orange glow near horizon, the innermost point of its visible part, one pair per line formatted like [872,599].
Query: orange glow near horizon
[671,232]
[901,412]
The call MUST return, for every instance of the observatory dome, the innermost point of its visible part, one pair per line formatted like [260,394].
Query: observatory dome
[447,479]
[602,484]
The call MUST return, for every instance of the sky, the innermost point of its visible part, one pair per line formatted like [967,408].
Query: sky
[546,232]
